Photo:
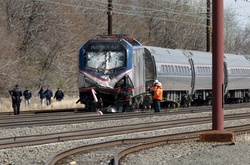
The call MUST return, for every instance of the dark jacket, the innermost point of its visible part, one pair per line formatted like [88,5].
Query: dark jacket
[59,94]
[16,94]
[27,94]
[41,93]
[48,94]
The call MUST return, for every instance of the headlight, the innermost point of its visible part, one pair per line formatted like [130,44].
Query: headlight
[88,80]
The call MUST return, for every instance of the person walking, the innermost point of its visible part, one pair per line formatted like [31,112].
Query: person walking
[59,95]
[16,95]
[41,94]
[48,94]
[27,96]
[157,96]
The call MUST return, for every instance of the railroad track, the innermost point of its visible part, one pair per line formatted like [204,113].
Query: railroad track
[134,145]
[70,116]
[18,141]
[111,117]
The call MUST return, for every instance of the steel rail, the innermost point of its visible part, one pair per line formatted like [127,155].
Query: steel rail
[145,143]
[17,141]
[121,154]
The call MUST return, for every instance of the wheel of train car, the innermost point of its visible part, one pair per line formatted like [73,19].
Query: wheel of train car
[208,102]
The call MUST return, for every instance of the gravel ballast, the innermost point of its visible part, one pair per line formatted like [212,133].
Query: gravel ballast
[186,153]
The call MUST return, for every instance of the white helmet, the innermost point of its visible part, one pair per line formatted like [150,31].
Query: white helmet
[156,81]
[159,84]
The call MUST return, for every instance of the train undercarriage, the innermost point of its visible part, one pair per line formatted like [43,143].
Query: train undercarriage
[121,102]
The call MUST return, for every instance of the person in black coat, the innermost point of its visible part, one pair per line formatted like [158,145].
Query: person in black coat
[27,96]
[16,95]
[41,94]
[48,94]
[59,95]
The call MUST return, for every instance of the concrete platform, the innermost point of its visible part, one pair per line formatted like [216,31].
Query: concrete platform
[217,136]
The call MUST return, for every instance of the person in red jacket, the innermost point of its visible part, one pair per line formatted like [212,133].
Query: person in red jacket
[157,96]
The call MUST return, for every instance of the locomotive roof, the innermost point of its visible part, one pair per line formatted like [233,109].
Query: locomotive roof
[118,37]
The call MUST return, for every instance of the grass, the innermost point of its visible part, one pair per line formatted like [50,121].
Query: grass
[67,102]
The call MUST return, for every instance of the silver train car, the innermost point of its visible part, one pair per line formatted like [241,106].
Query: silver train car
[121,71]
[186,76]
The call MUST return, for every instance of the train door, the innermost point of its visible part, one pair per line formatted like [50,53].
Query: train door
[150,68]
[225,83]
[225,78]
[193,75]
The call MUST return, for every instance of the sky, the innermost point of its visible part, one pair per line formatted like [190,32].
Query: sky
[241,7]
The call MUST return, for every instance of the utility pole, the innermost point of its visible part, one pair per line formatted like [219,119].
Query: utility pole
[208,25]
[218,65]
[110,7]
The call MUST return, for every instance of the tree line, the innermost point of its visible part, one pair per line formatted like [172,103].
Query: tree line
[40,39]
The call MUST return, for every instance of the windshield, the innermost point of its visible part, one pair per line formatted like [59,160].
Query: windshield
[105,60]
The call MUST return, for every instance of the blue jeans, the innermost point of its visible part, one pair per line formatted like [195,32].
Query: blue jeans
[157,105]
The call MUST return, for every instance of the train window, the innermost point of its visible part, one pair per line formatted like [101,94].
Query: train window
[104,60]
[182,70]
[201,69]
[172,68]
[167,68]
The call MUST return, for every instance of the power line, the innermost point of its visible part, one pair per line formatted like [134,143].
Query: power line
[144,9]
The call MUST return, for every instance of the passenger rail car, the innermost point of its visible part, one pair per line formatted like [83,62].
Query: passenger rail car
[121,70]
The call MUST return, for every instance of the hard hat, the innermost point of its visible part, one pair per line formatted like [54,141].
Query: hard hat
[156,81]
[159,84]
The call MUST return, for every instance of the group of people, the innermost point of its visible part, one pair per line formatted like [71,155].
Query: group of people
[45,96]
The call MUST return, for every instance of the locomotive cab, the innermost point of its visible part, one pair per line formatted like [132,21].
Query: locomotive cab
[113,66]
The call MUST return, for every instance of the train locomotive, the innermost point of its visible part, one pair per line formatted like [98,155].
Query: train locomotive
[121,71]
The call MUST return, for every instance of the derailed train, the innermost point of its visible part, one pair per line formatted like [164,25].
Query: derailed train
[121,70]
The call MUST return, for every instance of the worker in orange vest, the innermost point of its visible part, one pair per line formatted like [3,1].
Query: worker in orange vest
[157,93]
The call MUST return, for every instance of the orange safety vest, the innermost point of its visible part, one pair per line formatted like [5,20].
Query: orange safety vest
[158,93]
[153,88]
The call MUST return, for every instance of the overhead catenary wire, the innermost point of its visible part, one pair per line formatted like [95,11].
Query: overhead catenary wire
[147,12]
